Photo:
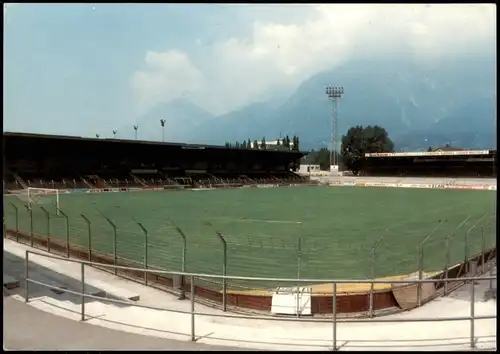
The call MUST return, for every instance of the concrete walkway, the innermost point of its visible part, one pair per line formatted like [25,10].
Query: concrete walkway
[243,333]
[27,328]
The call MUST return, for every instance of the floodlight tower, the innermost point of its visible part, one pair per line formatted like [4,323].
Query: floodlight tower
[135,131]
[334,93]
[162,122]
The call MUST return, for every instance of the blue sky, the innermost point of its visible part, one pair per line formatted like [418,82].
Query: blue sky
[81,68]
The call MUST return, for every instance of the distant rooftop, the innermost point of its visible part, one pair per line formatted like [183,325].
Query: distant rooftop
[448,148]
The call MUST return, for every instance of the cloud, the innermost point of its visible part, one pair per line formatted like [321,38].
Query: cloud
[167,76]
[279,56]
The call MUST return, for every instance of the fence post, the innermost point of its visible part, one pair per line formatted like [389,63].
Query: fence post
[67,231]
[16,210]
[26,276]
[184,244]
[114,240]
[224,269]
[466,246]
[193,332]
[372,285]
[334,316]
[145,252]
[90,235]
[83,291]
[472,315]
[420,252]
[483,246]
[420,255]
[373,274]
[447,252]
[447,262]
[47,214]
[183,265]
[224,266]
[30,210]
[299,255]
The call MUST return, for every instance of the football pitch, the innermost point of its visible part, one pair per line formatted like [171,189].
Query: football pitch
[306,232]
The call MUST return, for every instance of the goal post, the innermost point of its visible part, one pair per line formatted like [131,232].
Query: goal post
[43,196]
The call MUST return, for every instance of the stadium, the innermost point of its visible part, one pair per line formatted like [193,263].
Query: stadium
[244,212]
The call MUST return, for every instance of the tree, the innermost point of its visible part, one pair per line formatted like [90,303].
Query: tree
[319,157]
[227,144]
[255,144]
[237,145]
[306,159]
[244,144]
[429,149]
[296,143]
[249,144]
[323,159]
[263,143]
[295,147]
[278,142]
[358,141]
[286,141]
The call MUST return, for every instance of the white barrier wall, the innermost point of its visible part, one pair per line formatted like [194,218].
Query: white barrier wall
[434,183]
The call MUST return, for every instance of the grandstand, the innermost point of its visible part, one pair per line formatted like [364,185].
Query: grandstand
[61,162]
[454,164]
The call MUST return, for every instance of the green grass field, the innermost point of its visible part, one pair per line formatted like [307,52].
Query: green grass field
[311,232]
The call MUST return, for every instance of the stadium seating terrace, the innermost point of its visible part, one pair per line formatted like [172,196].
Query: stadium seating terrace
[63,162]
[462,163]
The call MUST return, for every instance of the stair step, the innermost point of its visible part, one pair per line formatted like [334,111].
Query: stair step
[9,282]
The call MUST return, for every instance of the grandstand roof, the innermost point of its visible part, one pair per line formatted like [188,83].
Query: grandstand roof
[39,144]
[112,140]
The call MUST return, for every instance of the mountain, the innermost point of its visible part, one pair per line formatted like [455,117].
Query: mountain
[251,122]
[182,118]
[403,98]
[471,125]
[419,105]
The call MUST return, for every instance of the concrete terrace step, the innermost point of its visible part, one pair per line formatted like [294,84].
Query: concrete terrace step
[10,282]
[88,289]
[113,291]
[60,281]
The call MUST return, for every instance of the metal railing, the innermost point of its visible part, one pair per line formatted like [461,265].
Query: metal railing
[192,295]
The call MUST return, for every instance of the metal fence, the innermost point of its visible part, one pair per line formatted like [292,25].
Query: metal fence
[192,295]
[209,248]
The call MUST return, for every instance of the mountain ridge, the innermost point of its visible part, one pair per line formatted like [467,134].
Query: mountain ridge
[418,105]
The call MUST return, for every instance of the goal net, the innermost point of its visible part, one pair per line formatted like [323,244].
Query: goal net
[46,197]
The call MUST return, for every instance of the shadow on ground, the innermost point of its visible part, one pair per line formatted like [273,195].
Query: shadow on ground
[14,266]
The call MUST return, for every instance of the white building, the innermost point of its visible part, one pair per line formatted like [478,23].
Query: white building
[305,169]
[270,144]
